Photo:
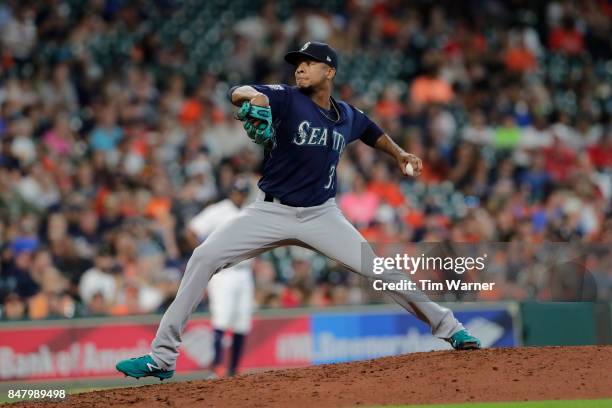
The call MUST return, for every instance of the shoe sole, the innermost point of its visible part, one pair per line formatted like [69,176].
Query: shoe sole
[469,346]
[161,376]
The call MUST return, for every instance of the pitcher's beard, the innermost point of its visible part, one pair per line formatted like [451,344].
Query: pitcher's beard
[306,90]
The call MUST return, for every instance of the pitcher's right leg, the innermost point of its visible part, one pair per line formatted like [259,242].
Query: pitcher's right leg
[255,230]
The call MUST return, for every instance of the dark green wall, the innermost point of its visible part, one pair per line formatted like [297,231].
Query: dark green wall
[567,323]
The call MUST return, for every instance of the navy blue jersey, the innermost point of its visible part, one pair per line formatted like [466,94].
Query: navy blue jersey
[301,169]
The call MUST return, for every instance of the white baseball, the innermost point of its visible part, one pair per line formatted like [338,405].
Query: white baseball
[409,169]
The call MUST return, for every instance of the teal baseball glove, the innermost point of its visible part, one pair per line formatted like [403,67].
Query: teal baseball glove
[258,124]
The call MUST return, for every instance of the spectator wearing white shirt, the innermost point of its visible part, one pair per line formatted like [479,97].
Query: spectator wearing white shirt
[99,279]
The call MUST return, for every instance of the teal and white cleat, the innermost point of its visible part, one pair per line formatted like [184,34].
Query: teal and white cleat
[462,340]
[143,366]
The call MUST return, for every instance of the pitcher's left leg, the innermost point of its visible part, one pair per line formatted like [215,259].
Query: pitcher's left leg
[329,232]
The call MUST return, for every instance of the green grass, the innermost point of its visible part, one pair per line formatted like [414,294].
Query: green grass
[607,403]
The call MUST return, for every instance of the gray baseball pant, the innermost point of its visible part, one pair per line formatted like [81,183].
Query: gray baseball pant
[263,226]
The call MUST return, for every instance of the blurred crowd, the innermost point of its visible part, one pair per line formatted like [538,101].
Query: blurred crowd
[112,138]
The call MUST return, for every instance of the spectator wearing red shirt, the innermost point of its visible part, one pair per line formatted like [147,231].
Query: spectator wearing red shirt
[600,153]
[566,38]
[560,160]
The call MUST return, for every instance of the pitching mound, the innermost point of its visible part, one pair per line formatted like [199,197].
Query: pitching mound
[529,373]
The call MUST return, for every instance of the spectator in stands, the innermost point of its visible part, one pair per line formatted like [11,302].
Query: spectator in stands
[430,87]
[13,307]
[566,38]
[99,284]
[360,205]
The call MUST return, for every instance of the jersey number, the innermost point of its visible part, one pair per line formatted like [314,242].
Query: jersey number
[330,182]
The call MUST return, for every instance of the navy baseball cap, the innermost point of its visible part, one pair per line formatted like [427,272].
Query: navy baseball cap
[317,51]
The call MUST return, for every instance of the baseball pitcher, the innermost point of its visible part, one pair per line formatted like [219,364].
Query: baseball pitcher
[303,130]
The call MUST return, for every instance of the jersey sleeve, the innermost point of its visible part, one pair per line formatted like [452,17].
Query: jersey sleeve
[365,129]
[278,96]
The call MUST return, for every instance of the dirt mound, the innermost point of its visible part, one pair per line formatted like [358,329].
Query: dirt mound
[529,373]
